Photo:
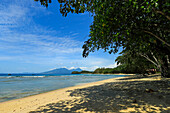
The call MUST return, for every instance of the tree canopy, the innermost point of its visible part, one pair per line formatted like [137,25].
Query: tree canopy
[139,26]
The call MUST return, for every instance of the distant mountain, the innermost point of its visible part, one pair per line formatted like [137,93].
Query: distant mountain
[61,71]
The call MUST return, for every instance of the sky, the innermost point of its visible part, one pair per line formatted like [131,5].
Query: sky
[34,38]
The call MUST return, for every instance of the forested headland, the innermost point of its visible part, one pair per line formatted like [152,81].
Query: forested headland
[121,69]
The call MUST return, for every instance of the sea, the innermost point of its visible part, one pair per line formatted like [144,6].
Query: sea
[22,85]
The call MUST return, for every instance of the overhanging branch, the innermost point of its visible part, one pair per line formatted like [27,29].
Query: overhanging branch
[156,37]
[162,13]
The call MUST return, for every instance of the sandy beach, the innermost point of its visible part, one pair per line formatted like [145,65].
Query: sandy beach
[124,94]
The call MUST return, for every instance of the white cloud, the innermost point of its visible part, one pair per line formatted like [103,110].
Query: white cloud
[112,65]
[22,40]
[72,68]
[34,39]
[52,69]
[64,67]
[12,15]
[39,44]
[5,58]
[74,34]
[90,68]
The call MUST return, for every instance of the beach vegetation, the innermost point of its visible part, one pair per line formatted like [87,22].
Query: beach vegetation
[82,72]
[139,27]
[133,63]
[75,72]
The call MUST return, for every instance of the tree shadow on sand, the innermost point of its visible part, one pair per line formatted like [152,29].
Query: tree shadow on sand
[136,96]
[139,76]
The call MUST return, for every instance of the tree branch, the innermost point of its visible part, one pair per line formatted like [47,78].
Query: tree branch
[145,56]
[156,37]
[154,58]
[162,13]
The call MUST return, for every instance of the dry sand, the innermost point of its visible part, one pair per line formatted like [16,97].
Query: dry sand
[123,94]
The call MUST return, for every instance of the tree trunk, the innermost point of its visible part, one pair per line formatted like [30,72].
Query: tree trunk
[165,68]
[164,71]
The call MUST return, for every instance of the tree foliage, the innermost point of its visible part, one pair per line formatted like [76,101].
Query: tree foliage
[134,63]
[141,27]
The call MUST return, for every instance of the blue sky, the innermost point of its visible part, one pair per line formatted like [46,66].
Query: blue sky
[36,39]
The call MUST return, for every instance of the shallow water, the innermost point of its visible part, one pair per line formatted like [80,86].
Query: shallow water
[18,86]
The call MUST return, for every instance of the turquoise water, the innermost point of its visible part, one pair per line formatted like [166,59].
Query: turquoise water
[18,86]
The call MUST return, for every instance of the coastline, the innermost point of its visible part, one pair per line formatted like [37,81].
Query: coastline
[26,104]
[11,87]
[114,74]
[106,74]
[31,103]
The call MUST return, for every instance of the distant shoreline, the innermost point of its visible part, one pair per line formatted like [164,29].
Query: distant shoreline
[108,74]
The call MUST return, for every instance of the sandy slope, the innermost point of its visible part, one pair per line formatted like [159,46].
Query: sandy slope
[124,94]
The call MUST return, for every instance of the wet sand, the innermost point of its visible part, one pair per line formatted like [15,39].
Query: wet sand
[124,94]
